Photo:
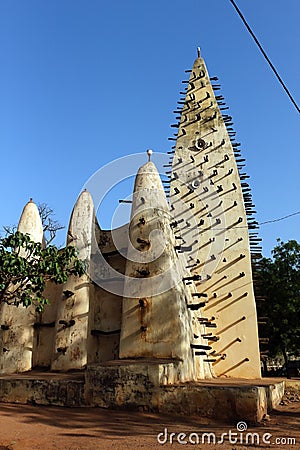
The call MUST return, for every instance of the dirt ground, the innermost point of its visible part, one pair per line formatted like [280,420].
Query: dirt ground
[26,427]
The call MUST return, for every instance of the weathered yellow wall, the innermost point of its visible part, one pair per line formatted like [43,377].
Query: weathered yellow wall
[155,312]
[156,322]
[44,332]
[72,337]
[207,202]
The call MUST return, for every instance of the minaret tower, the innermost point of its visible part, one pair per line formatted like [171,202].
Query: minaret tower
[159,313]
[17,324]
[209,204]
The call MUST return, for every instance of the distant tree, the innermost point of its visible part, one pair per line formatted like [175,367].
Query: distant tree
[279,282]
[26,267]
[50,226]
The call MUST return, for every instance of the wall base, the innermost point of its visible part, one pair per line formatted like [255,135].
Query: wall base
[145,386]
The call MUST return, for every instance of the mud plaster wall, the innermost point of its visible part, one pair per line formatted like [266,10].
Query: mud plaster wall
[207,203]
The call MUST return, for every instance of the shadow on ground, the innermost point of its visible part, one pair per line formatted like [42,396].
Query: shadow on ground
[35,427]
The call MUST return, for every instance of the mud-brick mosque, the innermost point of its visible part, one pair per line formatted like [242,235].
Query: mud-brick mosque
[165,317]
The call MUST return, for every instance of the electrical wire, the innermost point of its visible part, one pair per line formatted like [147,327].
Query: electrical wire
[280,218]
[264,223]
[265,55]
[259,223]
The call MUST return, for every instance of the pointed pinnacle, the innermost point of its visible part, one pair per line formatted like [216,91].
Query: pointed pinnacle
[149,153]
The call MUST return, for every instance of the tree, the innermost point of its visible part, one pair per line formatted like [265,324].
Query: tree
[26,267]
[50,226]
[280,284]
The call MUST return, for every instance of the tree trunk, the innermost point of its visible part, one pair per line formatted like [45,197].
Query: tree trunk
[286,361]
[265,367]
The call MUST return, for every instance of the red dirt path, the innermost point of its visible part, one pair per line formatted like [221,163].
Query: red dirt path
[26,427]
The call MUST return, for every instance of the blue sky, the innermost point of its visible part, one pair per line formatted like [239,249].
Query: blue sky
[85,82]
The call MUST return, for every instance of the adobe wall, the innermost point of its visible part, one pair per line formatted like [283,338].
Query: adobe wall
[156,320]
[208,206]
[185,289]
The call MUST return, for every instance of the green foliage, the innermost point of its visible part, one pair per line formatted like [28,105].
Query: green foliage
[25,267]
[279,282]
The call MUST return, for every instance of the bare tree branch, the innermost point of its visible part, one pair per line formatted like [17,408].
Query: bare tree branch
[50,226]
[10,229]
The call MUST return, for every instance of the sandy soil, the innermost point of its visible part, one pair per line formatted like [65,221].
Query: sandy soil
[26,427]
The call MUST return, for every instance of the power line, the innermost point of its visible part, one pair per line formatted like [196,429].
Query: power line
[280,218]
[274,220]
[261,223]
[265,55]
